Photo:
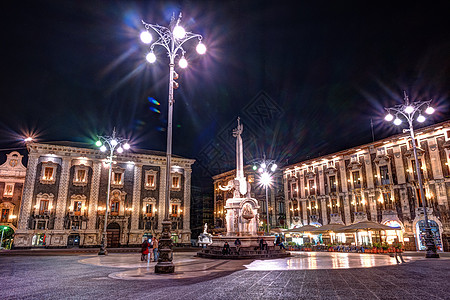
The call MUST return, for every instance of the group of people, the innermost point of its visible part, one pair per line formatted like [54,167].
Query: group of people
[148,248]
[262,245]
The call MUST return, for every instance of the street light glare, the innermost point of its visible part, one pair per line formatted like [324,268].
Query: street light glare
[179,32]
[28,139]
[429,110]
[98,143]
[389,117]
[421,119]
[201,48]
[409,109]
[126,146]
[397,121]
[120,149]
[151,57]
[114,142]
[273,168]
[266,179]
[146,37]
[263,165]
[260,170]
[103,148]
[183,63]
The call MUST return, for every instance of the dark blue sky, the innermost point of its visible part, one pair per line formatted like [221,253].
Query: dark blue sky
[76,69]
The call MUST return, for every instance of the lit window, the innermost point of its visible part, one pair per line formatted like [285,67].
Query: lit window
[9,190]
[117,178]
[77,207]
[115,207]
[43,206]
[5,215]
[176,182]
[174,211]
[150,180]
[48,173]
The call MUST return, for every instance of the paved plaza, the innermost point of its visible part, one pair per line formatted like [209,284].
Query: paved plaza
[305,275]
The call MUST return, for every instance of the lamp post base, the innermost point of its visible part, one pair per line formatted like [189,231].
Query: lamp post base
[103,247]
[165,264]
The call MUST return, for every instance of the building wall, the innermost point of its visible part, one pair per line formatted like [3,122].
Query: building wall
[68,207]
[12,178]
[375,182]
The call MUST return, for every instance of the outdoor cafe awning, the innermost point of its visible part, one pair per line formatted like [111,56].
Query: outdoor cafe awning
[367,226]
[306,228]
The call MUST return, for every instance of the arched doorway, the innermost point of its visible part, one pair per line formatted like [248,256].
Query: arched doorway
[420,234]
[113,235]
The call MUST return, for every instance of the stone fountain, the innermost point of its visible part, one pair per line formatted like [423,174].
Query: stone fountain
[242,217]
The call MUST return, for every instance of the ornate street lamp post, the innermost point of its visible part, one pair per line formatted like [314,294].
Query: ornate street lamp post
[110,143]
[171,39]
[266,169]
[408,110]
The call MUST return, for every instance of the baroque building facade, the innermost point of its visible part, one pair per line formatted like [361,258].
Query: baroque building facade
[12,178]
[377,182]
[65,190]
[276,203]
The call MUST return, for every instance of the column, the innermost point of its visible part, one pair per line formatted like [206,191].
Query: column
[369,172]
[187,202]
[28,188]
[305,213]
[63,187]
[348,219]
[286,202]
[93,201]
[162,197]
[137,180]
[323,202]
[438,174]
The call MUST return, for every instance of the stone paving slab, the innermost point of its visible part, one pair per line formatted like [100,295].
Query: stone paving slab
[71,277]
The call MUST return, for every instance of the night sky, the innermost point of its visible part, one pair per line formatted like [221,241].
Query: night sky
[76,69]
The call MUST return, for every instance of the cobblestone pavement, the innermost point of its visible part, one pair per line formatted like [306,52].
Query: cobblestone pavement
[87,277]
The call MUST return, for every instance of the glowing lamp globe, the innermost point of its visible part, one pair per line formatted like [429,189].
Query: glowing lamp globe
[265,178]
[146,37]
[179,32]
[389,117]
[429,110]
[201,48]
[183,63]
[103,148]
[98,143]
[114,142]
[397,121]
[273,168]
[421,119]
[151,57]
[126,146]
[120,149]
[263,165]
[260,170]
[409,109]
[255,168]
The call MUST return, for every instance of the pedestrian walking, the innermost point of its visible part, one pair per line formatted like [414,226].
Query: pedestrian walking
[398,251]
[155,248]
[144,250]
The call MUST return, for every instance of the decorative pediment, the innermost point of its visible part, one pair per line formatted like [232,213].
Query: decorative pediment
[410,152]
[354,165]
[310,174]
[382,160]
[330,171]
[13,164]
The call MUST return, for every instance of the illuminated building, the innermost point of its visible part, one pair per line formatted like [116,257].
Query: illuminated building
[377,182]
[12,178]
[64,197]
